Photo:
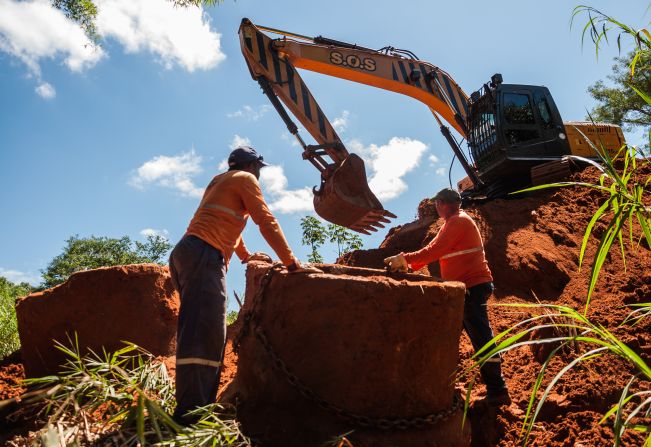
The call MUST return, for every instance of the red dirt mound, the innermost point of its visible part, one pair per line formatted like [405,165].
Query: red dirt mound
[532,246]
[104,307]
[328,330]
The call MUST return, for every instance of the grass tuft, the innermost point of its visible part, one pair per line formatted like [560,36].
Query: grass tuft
[120,398]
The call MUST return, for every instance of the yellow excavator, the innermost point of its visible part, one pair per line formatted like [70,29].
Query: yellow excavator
[514,133]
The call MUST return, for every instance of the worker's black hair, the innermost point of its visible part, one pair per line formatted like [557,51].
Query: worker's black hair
[240,166]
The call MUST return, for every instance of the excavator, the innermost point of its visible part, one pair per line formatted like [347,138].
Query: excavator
[514,133]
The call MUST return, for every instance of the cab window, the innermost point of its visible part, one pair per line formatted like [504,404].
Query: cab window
[543,108]
[517,109]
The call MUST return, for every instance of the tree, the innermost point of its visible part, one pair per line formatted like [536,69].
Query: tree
[94,252]
[345,239]
[619,103]
[314,235]
[9,293]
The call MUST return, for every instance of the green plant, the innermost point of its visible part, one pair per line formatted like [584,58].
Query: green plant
[627,194]
[624,208]
[231,317]
[314,235]
[617,102]
[94,252]
[9,293]
[122,398]
[345,239]
[591,341]
[599,25]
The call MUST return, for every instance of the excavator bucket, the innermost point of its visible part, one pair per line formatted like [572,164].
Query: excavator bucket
[346,200]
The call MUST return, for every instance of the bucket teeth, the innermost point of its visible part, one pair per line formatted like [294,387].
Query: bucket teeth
[359,230]
[372,221]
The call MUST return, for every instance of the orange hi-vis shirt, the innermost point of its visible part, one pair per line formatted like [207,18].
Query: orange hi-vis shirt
[229,200]
[459,249]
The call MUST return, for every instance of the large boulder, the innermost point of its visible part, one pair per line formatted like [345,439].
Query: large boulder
[350,349]
[103,307]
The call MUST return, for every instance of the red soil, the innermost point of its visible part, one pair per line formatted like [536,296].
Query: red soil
[348,320]
[102,308]
[532,245]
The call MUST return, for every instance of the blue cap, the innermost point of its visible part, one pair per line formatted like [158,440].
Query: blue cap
[244,155]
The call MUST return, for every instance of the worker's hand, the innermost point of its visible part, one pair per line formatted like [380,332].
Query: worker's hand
[257,256]
[297,267]
[396,263]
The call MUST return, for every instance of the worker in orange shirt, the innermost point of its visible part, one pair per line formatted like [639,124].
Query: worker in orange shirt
[460,251]
[198,267]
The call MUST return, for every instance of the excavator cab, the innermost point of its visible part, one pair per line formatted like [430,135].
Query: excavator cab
[511,129]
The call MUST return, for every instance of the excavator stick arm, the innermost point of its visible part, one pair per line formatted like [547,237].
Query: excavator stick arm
[344,197]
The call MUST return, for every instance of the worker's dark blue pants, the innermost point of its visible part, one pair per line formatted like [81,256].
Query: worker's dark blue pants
[477,326]
[198,273]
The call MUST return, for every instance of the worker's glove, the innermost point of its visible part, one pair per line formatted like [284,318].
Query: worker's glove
[396,263]
[297,267]
[257,256]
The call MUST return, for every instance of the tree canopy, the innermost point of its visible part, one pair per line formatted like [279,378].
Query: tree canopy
[94,252]
[315,235]
[620,104]
[9,292]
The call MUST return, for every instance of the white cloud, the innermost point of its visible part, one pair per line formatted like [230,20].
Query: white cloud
[291,138]
[389,163]
[33,30]
[239,141]
[249,113]
[170,172]
[440,171]
[177,36]
[274,183]
[340,124]
[433,159]
[223,165]
[17,277]
[46,91]
[153,232]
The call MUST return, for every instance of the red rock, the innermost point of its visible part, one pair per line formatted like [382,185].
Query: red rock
[377,346]
[104,307]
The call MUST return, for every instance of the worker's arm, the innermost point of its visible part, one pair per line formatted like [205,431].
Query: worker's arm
[260,214]
[441,245]
[241,250]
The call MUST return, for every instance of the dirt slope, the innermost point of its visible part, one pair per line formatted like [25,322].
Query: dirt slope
[532,246]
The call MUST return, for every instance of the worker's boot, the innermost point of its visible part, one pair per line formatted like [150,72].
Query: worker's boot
[497,393]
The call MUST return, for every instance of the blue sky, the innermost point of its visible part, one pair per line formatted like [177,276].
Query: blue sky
[122,139]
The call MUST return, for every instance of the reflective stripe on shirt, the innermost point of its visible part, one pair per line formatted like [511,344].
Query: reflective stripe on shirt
[462,252]
[224,209]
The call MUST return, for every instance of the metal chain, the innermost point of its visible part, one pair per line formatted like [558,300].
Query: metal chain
[349,416]
[247,318]
[354,418]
